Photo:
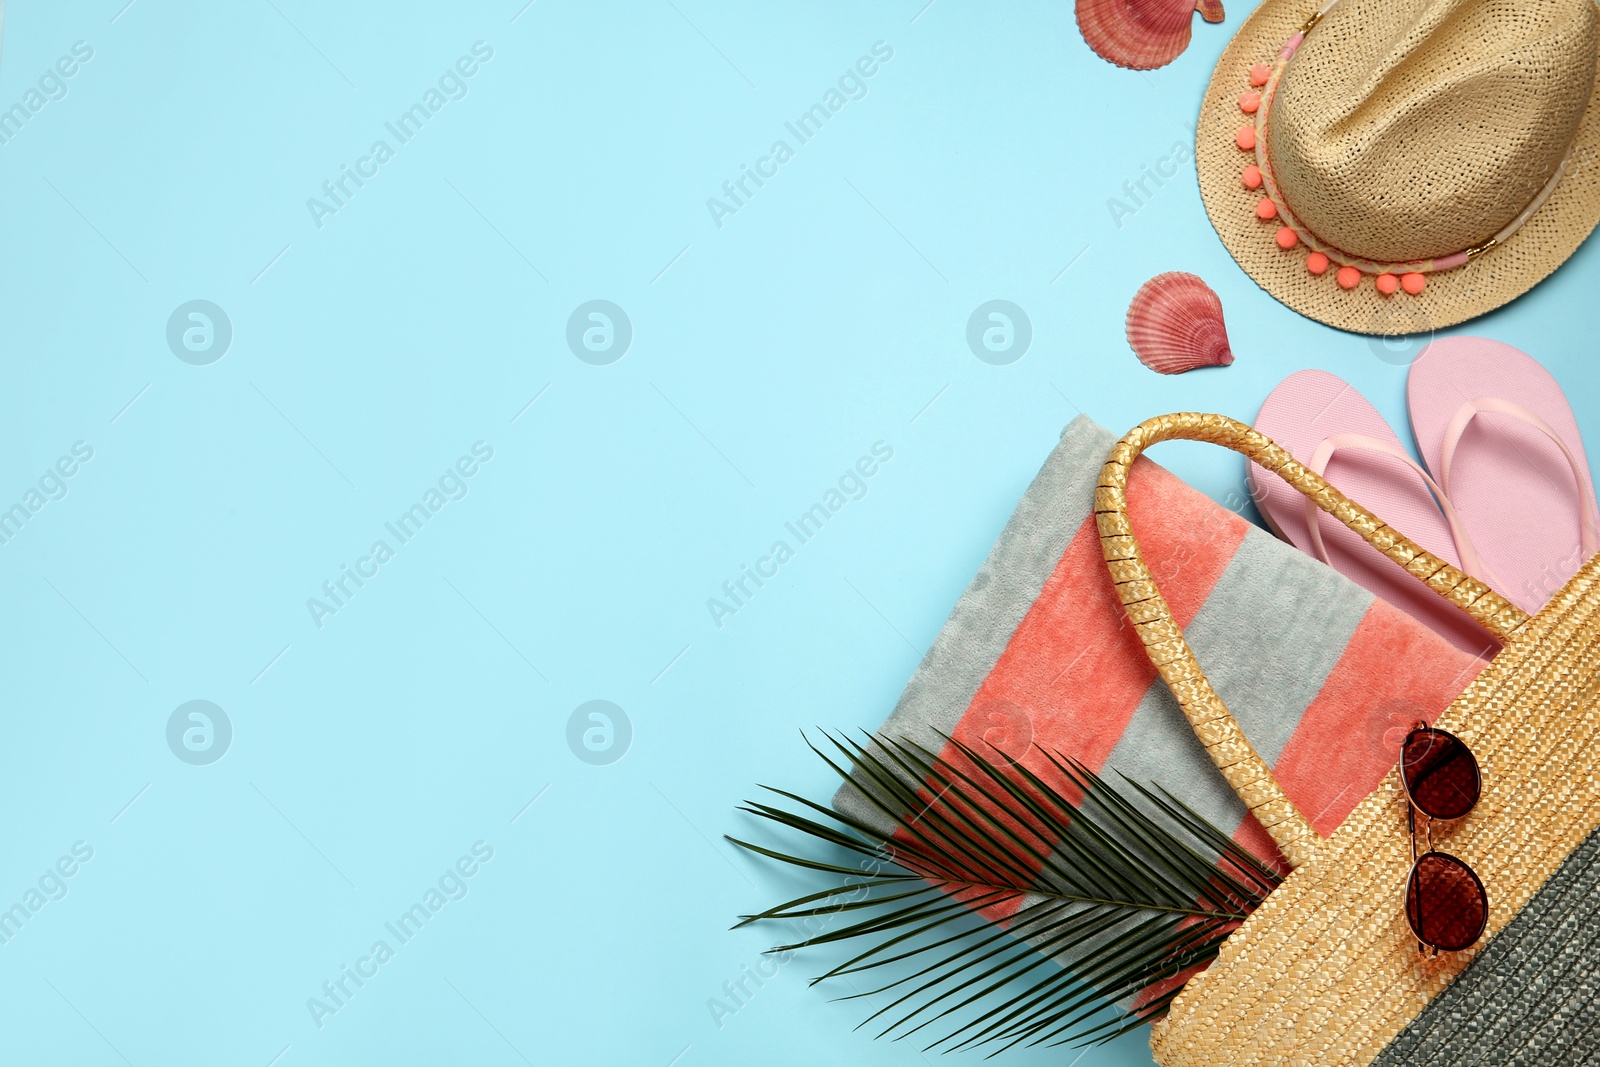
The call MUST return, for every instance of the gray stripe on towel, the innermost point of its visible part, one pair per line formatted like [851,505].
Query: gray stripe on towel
[1276,623]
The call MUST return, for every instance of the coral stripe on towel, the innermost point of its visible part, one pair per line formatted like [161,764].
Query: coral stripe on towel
[1074,668]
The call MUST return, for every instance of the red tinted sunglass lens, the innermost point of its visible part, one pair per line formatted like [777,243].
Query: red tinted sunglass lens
[1445,903]
[1440,773]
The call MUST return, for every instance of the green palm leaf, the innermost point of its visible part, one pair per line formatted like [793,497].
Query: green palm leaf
[1125,888]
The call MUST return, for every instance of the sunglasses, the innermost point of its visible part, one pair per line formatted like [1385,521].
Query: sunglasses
[1446,905]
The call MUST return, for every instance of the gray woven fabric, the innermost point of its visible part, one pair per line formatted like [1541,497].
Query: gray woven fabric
[1530,998]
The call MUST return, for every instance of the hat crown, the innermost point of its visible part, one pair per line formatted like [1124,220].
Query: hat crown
[1410,129]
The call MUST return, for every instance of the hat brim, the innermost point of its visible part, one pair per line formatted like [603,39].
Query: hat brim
[1496,277]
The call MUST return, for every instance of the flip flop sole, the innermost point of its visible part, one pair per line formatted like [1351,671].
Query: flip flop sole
[1510,484]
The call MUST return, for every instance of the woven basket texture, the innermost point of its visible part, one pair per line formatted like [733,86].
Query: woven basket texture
[1327,971]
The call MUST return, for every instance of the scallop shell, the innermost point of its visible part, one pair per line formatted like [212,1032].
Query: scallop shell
[1141,34]
[1175,325]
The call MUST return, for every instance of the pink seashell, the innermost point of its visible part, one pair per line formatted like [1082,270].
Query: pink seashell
[1141,34]
[1175,325]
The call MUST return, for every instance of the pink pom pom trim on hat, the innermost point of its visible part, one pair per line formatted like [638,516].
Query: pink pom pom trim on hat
[1409,276]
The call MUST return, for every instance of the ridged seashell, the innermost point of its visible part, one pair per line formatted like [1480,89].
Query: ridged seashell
[1175,325]
[1141,34]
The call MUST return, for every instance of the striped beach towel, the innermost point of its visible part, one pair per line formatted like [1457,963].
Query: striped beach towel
[1324,678]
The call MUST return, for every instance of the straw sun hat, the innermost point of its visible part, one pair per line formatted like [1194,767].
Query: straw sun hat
[1433,159]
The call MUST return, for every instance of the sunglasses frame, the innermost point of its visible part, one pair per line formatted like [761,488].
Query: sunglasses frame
[1413,809]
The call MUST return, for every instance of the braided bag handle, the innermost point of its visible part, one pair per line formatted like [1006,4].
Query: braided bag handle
[1163,639]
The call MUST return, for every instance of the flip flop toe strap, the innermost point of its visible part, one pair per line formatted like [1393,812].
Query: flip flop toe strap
[1495,405]
[1471,562]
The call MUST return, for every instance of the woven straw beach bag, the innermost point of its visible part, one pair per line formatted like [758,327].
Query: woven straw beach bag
[1327,970]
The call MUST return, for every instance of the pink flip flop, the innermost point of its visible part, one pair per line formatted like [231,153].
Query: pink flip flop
[1325,424]
[1499,435]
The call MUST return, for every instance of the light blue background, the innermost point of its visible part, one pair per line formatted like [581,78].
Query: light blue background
[368,354]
